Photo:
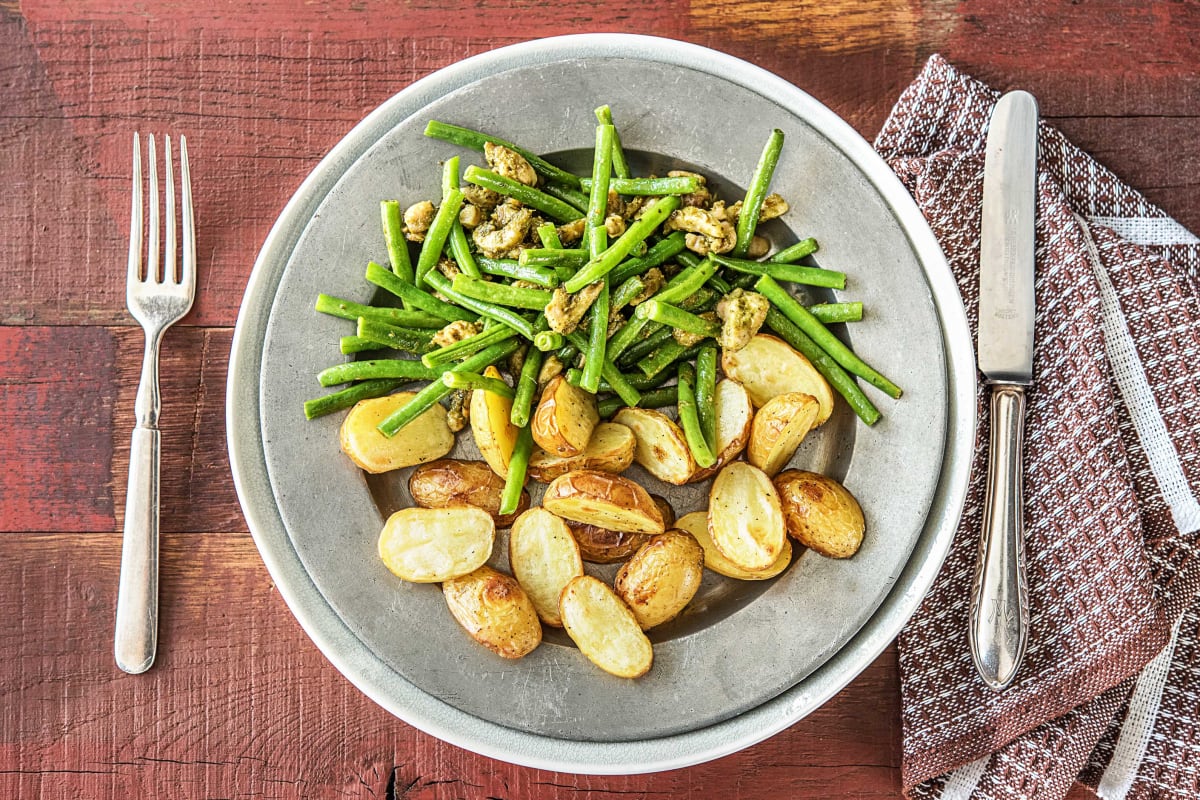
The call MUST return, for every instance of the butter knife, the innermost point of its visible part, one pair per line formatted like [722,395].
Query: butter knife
[999,610]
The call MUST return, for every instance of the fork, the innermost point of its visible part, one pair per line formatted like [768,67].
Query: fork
[156,301]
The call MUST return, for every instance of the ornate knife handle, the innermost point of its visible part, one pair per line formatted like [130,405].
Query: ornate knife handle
[999,623]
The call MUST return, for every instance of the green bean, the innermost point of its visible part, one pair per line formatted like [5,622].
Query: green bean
[598,190]
[824,339]
[553,257]
[572,197]
[345,398]
[394,336]
[473,380]
[706,389]
[789,255]
[609,371]
[518,466]
[719,283]
[644,347]
[596,239]
[460,250]
[639,382]
[811,276]
[667,314]
[475,140]
[385,279]
[597,268]
[649,187]
[528,195]
[626,336]
[502,294]
[423,400]
[662,251]
[624,294]
[752,204]
[838,378]
[504,316]
[658,398]
[395,368]
[837,312]
[593,363]
[689,417]
[620,165]
[393,235]
[438,233]
[549,236]
[545,341]
[527,384]
[665,356]
[567,353]
[348,309]
[349,345]
[468,346]
[508,268]
[688,282]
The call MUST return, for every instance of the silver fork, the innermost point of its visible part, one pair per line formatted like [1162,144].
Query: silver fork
[157,302]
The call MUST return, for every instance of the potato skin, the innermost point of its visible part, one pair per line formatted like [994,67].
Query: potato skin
[778,429]
[598,498]
[661,446]
[609,450]
[603,546]
[661,578]
[565,417]
[451,482]
[494,609]
[820,513]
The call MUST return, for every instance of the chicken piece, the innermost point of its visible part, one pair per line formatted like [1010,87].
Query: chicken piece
[571,232]
[551,368]
[456,332]
[615,204]
[417,219]
[653,279]
[509,163]
[503,234]
[759,247]
[702,245]
[448,268]
[688,339]
[471,216]
[458,416]
[742,313]
[773,206]
[697,199]
[615,225]
[695,220]
[480,197]
[517,360]
[631,208]
[566,310]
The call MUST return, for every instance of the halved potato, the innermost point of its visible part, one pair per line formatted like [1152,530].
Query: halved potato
[544,558]
[609,450]
[696,524]
[428,545]
[779,428]
[565,418]
[735,415]
[495,611]
[745,520]
[604,628]
[821,513]
[661,578]
[661,446]
[495,435]
[426,438]
[769,366]
[598,498]
[451,482]
[603,546]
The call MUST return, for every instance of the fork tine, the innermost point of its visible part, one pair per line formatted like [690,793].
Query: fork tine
[152,254]
[135,216]
[188,274]
[169,228]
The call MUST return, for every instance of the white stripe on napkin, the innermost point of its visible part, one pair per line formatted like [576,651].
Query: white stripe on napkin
[962,782]
[1160,231]
[1122,769]
[1139,399]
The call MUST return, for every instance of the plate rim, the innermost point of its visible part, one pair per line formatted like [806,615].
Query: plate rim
[354,659]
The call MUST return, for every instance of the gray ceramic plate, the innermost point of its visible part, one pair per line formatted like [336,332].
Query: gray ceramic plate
[746,659]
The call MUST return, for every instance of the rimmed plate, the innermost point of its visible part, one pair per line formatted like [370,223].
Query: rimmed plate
[745,661]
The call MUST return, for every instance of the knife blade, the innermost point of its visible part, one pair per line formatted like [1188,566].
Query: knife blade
[999,609]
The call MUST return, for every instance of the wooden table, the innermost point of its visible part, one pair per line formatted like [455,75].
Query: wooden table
[240,703]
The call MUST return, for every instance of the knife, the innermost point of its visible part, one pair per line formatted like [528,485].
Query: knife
[999,610]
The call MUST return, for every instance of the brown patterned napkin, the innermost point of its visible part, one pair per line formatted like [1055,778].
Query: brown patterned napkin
[1109,694]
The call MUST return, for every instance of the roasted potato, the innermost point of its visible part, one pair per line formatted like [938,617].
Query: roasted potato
[661,578]
[603,546]
[696,524]
[544,558]
[427,545]
[599,498]
[779,428]
[735,415]
[820,513]
[604,628]
[661,446]
[565,417]
[426,438]
[609,450]
[745,520]
[769,366]
[495,611]
[450,482]
[495,435]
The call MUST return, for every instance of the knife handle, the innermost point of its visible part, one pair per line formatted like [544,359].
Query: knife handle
[999,609]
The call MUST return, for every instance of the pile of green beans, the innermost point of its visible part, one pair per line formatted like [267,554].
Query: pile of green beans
[629,348]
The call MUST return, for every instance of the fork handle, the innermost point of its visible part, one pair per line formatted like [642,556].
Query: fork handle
[137,595]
